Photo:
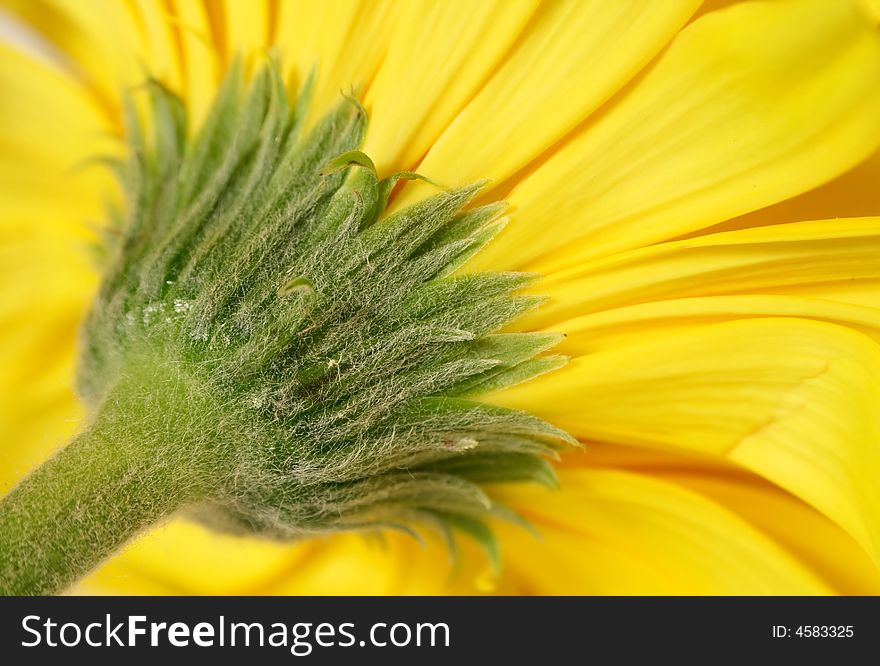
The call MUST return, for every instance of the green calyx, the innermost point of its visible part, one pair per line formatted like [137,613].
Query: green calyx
[342,356]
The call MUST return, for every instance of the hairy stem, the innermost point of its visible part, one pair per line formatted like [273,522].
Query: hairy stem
[132,466]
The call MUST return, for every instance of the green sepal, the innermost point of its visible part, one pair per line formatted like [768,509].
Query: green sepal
[480,532]
[489,467]
[345,354]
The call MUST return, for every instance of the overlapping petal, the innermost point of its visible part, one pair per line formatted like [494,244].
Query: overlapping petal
[574,56]
[631,502]
[616,327]
[184,558]
[742,111]
[344,41]
[439,56]
[778,259]
[793,400]
[102,41]
[789,522]
[637,533]
[733,373]
[46,197]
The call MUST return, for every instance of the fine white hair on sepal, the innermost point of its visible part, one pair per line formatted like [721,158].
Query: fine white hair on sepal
[343,355]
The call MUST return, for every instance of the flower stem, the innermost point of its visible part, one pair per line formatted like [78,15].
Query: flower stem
[123,473]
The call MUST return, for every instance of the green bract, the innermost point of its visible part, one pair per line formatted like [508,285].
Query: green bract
[304,365]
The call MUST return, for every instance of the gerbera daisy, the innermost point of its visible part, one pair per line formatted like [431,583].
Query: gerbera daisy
[694,185]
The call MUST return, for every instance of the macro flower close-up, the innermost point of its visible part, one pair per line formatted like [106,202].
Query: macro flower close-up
[423,297]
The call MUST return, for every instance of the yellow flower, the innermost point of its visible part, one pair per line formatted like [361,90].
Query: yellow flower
[659,158]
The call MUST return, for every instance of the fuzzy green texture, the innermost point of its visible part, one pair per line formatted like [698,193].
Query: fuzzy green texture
[337,358]
[123,473]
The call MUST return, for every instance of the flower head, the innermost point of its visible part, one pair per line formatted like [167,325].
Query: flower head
[695,185]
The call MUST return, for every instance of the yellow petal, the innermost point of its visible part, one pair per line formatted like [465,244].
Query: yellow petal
[854,194]
[638,323]
[839,561]
[381,564]
[750,105]
[862,291]
[46,281]
[43,151]
[345,39]
[48,194]
[792,400]
[619,532]
[30,121]
[783,518]
[165,59]
[439,56]
[776,259]
[182,557]
[248,28]
[45,287]
[102,40]
[571,59]
[872,7]
[201,59]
